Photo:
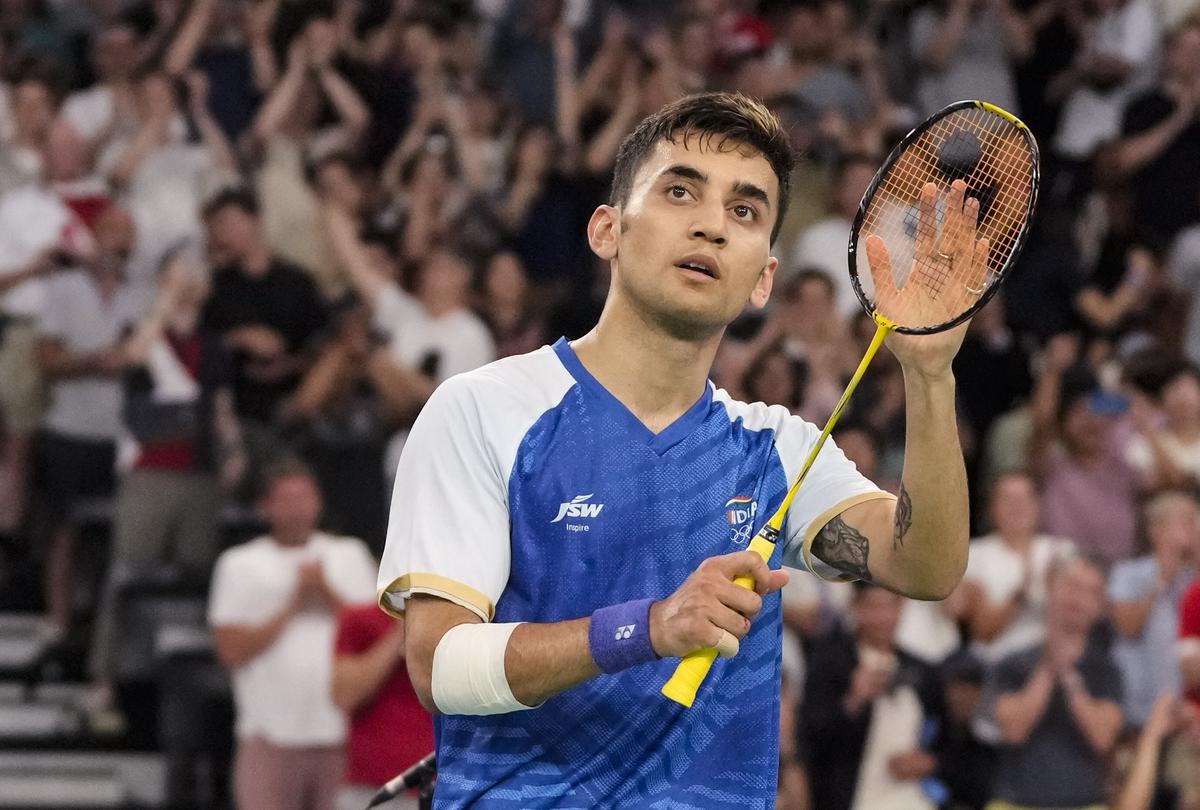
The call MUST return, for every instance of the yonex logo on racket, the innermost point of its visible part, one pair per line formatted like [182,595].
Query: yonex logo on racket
[624,631]
[577,507]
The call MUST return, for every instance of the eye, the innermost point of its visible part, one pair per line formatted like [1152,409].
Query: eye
[678,192]
[743,211]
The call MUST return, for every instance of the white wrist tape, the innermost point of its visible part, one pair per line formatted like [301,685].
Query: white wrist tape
[468,671]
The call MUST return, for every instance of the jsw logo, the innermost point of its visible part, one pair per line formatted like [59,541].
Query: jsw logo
[577,508]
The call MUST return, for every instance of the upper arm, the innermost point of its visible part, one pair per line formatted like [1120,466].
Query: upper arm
[856,540]
[426,620]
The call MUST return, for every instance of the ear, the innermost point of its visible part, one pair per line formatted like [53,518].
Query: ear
[603,230]
[766,280]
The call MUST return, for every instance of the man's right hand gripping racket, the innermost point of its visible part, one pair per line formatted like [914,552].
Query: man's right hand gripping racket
[937,230]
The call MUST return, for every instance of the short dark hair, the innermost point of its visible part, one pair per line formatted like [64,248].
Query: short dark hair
[791,290]
[729,118]
[238,196]
[281,469]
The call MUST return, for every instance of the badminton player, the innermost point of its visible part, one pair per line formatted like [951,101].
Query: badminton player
[566,523]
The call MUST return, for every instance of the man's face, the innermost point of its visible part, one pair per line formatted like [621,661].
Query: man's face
[231,233]
[877,615]
[1015,505]
[33,108]
[1076,595]
[292,506]
[692,242]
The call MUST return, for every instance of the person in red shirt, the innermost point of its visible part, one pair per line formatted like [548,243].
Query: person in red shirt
[389,730]
[1183,765]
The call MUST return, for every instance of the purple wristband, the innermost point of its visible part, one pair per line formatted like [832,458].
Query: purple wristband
[619,636]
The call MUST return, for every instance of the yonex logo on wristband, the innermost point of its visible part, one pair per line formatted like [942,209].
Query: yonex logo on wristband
[625,631]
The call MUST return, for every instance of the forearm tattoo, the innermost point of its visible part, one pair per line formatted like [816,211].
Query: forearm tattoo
[903,518]
[842,547]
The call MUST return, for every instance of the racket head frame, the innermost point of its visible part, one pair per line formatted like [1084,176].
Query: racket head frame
[1018,242]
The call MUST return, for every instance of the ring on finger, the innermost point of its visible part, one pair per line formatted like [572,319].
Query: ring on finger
[945,256]
[727,645]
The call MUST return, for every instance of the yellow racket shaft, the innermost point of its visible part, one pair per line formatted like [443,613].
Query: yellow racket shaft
[693,669]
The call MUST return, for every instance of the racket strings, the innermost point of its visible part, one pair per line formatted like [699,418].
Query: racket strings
[993,158]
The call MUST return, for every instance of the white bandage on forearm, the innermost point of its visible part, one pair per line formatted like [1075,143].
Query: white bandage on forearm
[468,671]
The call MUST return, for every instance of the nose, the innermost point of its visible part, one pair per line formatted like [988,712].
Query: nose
[709,224]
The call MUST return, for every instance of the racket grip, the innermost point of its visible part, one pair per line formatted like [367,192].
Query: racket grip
[693,669]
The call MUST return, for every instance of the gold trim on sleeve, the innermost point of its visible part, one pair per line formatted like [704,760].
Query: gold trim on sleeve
[819,522]
[435,585]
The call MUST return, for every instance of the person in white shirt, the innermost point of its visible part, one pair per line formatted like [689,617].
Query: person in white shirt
[433,335]
[1004,587]
[1005,582]
[273,609]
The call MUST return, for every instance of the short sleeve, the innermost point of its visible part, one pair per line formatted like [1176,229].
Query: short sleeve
[448,531]
[832,486]
[353,577]
[1130,581]
[1189,613]
[229,601]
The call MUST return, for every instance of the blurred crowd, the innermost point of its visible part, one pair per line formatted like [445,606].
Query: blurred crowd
[241,243]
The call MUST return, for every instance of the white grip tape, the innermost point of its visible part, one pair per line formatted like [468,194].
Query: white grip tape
[468,671]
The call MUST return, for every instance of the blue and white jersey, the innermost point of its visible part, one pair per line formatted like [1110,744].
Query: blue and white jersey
[528,493]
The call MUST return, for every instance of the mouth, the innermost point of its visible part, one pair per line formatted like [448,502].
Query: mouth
[700,265]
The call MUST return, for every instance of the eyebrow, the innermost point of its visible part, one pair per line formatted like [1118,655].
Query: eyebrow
[741,188]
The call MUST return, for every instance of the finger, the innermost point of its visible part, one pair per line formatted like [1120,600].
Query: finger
[727,645]
[977,275]
[952,226]
[729,620]
[742,562]
[927,220]
[747,603]
[880,263]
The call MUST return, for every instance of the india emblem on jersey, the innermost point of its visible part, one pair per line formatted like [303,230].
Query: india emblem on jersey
[740,511]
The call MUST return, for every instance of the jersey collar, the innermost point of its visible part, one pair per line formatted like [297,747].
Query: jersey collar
[658,442]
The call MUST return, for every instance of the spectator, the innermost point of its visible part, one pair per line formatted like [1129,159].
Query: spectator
[433,335]
[1058,702]
[1005,586]
[341,417]
[287,137]
[87,315]
[33,100]
[1166,449]
[966,764]
[273,610]
[181,442]
[265,310]
[1117,58]
[99,111]
[1145,596]
[822,246]
[38,234]
[965,49]
[1184,764]
[508,307]
[159,174]
[1089,491]
[389,729]
[867,714]
[1161,140]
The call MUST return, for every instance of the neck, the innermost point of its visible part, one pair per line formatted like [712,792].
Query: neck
[290,538]
[256,261]
[656,375]
[1186,429]
[437,307]
[1018,541]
